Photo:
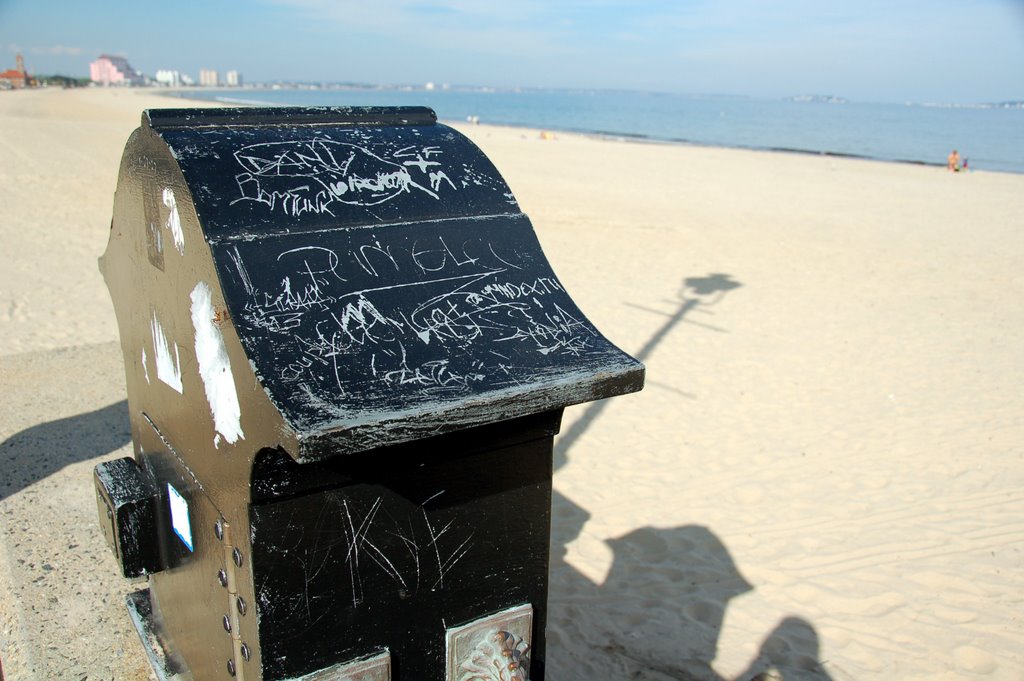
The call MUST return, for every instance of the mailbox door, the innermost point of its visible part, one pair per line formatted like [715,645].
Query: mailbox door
[188,600]
[371,557]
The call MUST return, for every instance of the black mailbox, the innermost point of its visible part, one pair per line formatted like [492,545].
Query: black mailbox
[346,359]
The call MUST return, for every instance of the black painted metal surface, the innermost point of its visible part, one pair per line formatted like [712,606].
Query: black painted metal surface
[373,336]
[346,358]
[127,503]
[382,278]
[372,556]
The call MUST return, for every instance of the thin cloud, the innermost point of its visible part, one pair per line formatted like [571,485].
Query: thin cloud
[472,26]
[47,50]
[529,19]
[872,48]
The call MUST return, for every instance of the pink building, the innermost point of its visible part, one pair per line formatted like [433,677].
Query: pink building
[111,70]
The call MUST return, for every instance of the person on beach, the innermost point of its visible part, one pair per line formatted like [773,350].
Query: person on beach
[953,161]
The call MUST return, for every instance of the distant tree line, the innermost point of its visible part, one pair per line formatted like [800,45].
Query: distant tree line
[62,81]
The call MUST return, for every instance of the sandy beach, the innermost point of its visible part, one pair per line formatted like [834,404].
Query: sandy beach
[823,478]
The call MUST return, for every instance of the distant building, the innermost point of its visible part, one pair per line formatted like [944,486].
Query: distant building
[169,78]
[208,78]
[113,70]
[17,77]
[233,79]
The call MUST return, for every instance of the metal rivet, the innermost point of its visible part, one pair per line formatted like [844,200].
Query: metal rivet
[245,652]
[236,555]
[227,624]
[231,667]
[222,577]
[240,604]
[218,529]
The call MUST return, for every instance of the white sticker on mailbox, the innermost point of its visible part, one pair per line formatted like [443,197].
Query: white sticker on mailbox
[179,516]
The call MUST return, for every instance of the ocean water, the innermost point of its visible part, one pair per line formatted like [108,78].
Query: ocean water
[990,138]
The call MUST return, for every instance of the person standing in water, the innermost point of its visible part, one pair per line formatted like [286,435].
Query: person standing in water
[953,161]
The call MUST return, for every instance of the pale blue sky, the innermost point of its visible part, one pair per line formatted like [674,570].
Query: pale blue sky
[869,50]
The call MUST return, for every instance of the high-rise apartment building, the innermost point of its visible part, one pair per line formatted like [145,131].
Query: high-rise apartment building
[233,79]
[208,78]
[114,70]
[168,77]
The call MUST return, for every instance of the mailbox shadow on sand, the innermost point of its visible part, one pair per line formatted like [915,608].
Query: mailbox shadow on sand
[659,612]
[695,293]
[40,451]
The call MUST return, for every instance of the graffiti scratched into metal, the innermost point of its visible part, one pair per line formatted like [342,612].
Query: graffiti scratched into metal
[310,176]
[413,550]
[331,304]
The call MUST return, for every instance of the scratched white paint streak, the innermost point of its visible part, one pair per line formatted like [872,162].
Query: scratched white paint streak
[174,221]
[145,369]
[215,368]
[168,366]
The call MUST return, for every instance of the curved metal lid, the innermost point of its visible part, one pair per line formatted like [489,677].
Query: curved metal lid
[382,279]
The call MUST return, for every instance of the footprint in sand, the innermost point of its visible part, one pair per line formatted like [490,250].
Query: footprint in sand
[974,660]
[704,612]
[17,311]
[872,606]
[954,615]
[946,582]
[748,495]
